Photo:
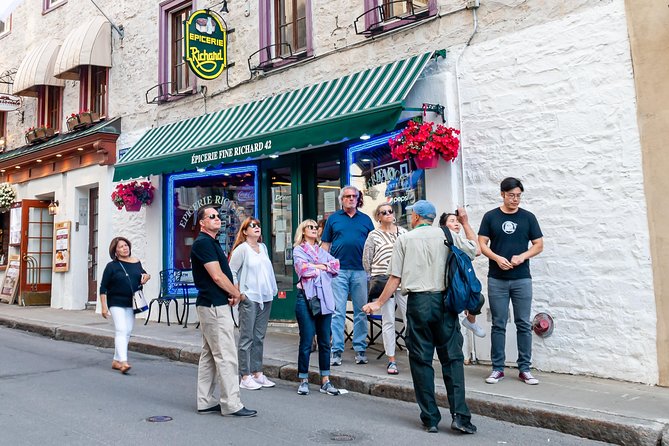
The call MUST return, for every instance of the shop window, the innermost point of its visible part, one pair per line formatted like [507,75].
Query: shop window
[48,5]
[5,26]
[285,31]
[233,191]
[4,238]
[383,179]
[174,75]
[49,106]
[384,15]
[93,89]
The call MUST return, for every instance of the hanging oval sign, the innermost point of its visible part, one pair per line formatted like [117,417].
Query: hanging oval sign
[9,102]
[206,44]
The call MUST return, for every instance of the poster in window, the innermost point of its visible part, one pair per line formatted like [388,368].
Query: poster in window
[61,249]
[15,226]
[11,280]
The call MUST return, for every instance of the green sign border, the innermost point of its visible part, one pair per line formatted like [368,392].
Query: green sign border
[193,64]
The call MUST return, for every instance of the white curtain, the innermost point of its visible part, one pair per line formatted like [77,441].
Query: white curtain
[7,7]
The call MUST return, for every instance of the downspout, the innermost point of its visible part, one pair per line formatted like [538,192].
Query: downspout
[473,6]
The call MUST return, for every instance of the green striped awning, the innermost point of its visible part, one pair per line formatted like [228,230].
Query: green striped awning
[368,102]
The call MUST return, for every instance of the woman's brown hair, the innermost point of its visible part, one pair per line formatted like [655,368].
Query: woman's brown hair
[114,243]
[241,236]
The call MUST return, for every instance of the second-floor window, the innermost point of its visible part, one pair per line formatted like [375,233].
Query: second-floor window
[49,112]
[5,26]
[48,5]
[93,89]
[3,131]
[174,75]
[290,24]
[384,15]
[394,8]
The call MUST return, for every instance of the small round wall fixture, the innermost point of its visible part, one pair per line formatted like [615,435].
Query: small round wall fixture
[543,325]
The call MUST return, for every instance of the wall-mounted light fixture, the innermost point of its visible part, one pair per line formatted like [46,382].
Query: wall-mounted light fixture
[53,207]
[225,6]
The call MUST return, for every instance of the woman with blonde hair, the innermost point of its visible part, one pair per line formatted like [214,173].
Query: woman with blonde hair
[315,303]
[253,274]
[121,278]
[375,259]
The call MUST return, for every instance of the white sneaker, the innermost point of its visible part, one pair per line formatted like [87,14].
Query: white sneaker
[263,381]
[495,377]
[527,378]
[249,384]
[473,326]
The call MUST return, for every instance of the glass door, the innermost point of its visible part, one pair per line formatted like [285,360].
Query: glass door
[36,253]
[297,187]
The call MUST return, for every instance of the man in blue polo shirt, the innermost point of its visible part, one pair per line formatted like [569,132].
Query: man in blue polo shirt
[344,236]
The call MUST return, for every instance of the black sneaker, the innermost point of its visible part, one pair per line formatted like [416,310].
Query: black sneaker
[459,424]
[213,409]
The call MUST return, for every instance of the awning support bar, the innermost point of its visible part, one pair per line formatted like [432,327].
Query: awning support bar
[118,29]
[435,108]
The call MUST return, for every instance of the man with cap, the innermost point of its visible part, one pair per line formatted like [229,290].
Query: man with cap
[418,263]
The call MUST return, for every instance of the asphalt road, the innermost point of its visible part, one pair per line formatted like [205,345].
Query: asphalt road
[60,393]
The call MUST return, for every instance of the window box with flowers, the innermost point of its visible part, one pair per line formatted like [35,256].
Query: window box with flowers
[81,120]
[7,196]
[35,135]
[425,143]
[133,195]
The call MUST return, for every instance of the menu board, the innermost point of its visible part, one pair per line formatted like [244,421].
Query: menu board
[11,279]
[61,249]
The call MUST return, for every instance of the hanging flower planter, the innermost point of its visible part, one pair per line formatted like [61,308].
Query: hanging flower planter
[36,135]
[133,195]
[7,196]
[81,120]
[425,143]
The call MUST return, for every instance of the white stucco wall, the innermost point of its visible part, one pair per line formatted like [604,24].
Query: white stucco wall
[554,105]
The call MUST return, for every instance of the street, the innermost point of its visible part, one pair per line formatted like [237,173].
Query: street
[60,393]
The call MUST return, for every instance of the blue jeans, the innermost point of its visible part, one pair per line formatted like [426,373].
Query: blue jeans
[311,325]
[519,292]
[353,282]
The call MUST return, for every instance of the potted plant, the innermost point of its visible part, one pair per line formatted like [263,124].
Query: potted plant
[133,195]
[7,196]
[83,119]
[425,143]
[39,134]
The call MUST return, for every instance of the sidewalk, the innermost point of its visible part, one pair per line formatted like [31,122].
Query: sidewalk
[599,409]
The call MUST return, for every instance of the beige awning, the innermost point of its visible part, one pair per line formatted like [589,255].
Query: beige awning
[87,44]
[37,69]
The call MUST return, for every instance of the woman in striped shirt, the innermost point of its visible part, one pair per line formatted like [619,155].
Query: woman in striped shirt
[375,259]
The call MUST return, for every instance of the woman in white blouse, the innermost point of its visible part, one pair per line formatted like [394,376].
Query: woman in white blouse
[253,273]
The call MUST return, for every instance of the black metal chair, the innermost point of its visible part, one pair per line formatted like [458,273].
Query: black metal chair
[170,291]
[186,283]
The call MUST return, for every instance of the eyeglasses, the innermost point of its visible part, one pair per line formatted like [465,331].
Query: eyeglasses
[213,216]
[512,196]
[388,212]
[312,227]
[351,196]
[254,225]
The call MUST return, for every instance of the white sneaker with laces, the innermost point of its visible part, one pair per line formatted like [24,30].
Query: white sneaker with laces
[249,384]
[474,327]
[263,381]
[495,377]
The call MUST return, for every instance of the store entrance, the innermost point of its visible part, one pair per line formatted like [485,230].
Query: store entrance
[296,187]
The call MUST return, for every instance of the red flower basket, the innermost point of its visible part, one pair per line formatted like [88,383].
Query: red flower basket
[425,143]
[133,195]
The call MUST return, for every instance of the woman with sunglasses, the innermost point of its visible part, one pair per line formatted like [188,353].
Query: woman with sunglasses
[254,276]
[375,259]
[315,304]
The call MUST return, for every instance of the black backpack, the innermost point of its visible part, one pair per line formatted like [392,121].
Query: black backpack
[463,288]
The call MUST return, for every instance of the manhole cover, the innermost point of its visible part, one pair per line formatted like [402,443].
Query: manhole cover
[159,419]
[337,436]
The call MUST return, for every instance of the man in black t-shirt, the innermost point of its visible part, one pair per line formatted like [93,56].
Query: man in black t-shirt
[510,230]
[216,295]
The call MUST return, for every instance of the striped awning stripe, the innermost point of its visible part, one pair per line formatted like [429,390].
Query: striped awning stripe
[369,102]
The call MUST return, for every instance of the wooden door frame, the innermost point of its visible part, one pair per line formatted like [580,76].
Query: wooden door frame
[24,287]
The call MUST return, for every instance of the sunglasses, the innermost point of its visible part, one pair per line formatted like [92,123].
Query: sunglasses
[351,196]
[312,227]
[213,216]
[388,212]
[254,225]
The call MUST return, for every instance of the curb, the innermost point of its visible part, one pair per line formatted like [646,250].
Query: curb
[594,425]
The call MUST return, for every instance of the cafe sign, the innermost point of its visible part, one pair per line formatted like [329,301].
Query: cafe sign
[206,44]
[9,102]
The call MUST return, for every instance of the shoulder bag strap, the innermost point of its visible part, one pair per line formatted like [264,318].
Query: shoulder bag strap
[132,290]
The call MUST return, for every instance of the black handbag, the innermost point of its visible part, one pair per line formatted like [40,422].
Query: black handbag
[314,304]
[376,286]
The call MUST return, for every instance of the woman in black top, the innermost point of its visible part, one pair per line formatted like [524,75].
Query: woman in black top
[122,277]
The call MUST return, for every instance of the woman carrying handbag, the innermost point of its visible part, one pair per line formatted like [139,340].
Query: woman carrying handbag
[121,278]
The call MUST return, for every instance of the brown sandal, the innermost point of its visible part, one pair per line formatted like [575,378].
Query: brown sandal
[125,367]
[116,365]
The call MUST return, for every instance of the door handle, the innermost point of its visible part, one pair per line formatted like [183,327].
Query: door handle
[300,209]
